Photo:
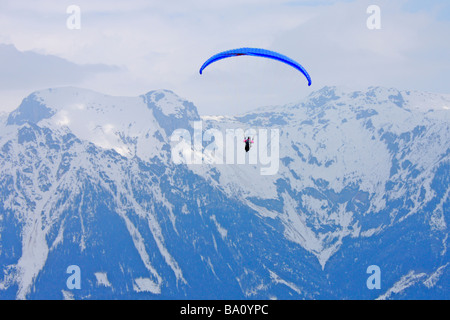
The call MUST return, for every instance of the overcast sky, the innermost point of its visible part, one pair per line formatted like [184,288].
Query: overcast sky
[131,47]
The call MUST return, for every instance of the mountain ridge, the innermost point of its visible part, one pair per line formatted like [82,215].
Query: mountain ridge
[87,179]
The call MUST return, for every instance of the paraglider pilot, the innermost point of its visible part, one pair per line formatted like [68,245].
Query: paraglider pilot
[247,144]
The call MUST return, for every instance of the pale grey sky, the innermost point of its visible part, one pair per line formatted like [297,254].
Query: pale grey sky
[131,47]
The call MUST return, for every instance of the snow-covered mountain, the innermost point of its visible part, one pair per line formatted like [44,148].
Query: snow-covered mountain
[361,179]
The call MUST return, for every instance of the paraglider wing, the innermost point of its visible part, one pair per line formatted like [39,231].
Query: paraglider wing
[259,53]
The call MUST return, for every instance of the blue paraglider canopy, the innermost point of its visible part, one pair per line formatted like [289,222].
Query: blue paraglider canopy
[259,53]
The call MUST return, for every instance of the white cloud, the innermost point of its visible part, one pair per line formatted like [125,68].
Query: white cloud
[25,70]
